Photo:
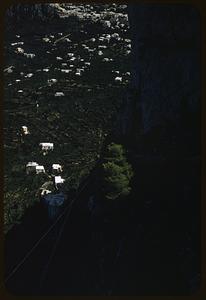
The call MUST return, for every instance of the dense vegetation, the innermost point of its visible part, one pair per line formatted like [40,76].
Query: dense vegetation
[117,173]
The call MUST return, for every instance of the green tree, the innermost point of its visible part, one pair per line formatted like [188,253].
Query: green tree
[116,173]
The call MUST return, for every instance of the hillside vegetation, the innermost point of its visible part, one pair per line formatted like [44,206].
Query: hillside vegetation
[60,82]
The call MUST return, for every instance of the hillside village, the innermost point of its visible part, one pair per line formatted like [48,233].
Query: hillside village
[74,94]
[62,87]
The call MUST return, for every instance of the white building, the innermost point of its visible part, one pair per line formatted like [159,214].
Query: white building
[53,80]
[57,167]
[31,167]
[25,130]
[102,47]
[58,181]
[45,192]
[19,50]
[29,55]
[78,73]
[29,75]
[45,39]
[40,169]
[118,79]
[46,146]
[59,94]
[66,70]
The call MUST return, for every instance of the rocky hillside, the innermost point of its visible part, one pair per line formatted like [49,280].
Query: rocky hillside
[65,81]
[166,69]
[32,11]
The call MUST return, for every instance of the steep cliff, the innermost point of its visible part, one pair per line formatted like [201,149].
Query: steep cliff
[166,64]
[32,11]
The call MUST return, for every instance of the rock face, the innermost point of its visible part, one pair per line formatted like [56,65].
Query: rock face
[32,11]
[166,61]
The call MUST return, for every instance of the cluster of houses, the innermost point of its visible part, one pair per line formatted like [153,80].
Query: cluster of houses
[52,200]
[46,147]
[75,65]
[34,168]
[19,50]
[114,20]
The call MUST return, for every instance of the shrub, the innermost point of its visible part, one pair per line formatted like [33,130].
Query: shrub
[116,173]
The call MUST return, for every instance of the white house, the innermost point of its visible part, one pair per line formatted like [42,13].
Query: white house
[102,47]
[78,73]
[31,167]
[19,50]
[29,75]
[25,130]
[107,23]
[46,146]
[17,43]
[40,169]
[66,70]
[58,181]
[118,79]
[57,167]
[45,39]
[45,192]
[29,55]
[59,94]
[53,80]
[115,35]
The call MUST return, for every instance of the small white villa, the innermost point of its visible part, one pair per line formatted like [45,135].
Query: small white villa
[45,192]
[118,79]
[31,167]
[25,130]
[58,181]
[59,94]
[46,146]
[19,50]
[57,167]
[40,169]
